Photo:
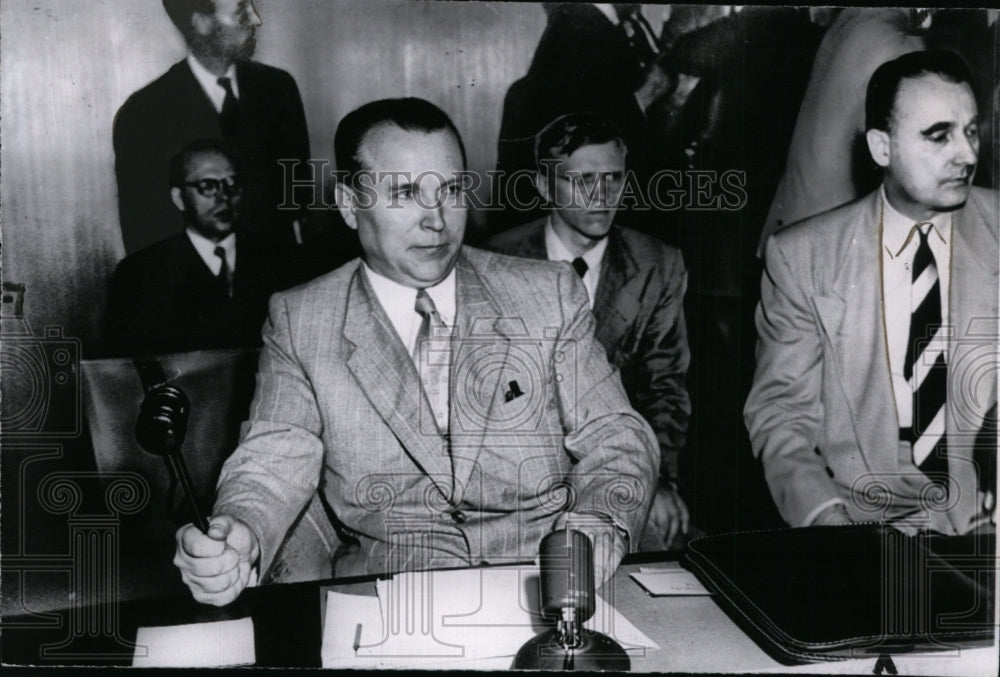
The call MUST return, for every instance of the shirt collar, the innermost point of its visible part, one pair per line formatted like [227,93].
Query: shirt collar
[608,10]
[898,229]
[397,300]
[206,248]
[210,82]
[557,250]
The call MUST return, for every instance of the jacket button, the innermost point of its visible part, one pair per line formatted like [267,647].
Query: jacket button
[458,516]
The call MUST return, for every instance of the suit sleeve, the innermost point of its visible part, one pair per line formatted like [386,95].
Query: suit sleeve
[269,479]
[614,448]
[784,411]
[662,398]
[294,132]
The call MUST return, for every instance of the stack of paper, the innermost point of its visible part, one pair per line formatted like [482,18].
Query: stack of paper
[465,619]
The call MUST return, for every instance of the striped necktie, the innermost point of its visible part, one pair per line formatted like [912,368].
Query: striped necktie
[925,367]
[432,357]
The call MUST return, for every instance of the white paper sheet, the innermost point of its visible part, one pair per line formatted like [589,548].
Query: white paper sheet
[197,645]
[669,581]
[466,619]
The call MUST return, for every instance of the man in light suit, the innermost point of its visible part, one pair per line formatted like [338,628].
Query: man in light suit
[635,284]
[877,320]
[451,406]
[218,91]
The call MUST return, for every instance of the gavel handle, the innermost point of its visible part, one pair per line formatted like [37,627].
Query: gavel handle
[176,462]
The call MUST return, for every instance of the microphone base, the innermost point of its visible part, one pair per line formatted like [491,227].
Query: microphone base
[596,652]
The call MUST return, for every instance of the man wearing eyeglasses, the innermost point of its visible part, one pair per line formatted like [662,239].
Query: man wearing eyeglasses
[205,287]
[217,91]
[635,286]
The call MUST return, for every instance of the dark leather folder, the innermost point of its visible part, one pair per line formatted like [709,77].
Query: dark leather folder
[827,593]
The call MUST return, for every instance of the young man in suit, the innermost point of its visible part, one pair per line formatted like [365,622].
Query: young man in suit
[591,57]
[876,319]
[635,285]
[205,287]
[216,92]
[451,405]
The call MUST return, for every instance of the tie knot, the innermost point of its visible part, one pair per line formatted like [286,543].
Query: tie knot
[220,251]
[227,85]
[425,304]
[580,266]
[923,230]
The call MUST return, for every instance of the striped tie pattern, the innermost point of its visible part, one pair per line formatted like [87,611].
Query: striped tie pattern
[925,367]
[432,358]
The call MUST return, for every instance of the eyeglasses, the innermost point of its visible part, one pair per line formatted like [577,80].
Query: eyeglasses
[210,187]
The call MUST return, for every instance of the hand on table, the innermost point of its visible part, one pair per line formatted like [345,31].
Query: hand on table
[832,516]
[607,540]
[219,565]
[669,517]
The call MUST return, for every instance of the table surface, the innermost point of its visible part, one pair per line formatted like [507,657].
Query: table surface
[693,632]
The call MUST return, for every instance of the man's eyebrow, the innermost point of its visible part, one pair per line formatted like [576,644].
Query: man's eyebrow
[397,185]
[937,127]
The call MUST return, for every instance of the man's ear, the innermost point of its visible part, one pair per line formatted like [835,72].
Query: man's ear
[176,198]
[347,204]
[878,146]
[542,186]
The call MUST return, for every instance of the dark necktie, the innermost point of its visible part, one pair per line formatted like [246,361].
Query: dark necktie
[225,276]
[432,356]
[580,266]
[229,116]
[925,368]
[641,38]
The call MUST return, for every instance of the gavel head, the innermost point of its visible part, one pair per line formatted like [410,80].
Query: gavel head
[162,421]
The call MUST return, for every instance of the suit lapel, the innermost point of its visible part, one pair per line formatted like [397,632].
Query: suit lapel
[479,344]
[614,306]
[190,90]
[973,309]
[386,374]
[859,339]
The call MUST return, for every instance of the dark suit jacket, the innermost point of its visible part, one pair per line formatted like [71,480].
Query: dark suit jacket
[640,323]
[164,299]
[821,414]
[338,409]
[583,62]
[162,117]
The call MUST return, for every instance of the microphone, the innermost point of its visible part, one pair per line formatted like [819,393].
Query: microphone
[566,582]
[160,429]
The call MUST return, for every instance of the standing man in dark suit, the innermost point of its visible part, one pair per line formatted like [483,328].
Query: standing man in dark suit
[216,92]
[635,285]
[205,287]
[592,57]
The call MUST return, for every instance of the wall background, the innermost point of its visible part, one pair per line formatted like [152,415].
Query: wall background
[68,65]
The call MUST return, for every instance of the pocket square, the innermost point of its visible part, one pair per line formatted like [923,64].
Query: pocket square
[515,391]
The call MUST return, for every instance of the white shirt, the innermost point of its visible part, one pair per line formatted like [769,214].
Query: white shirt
[899,246]
[398,302]
[206,250]
[210,82]
[557,251]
